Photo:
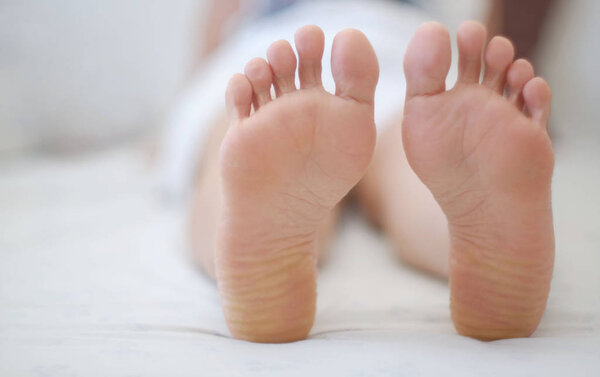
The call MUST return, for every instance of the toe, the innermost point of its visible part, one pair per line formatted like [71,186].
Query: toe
[259,73]
[498,56]
[470,38]
[309,44]
[519,73]
[238,97]
[427,60]
[537,96]
[283,64]
[354,66]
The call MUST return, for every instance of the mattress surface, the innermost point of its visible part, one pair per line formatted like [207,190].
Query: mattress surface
[95,281]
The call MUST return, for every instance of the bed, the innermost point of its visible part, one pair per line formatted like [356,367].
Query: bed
[95,280]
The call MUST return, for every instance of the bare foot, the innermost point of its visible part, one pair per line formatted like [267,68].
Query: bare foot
[283,169]
[488,161]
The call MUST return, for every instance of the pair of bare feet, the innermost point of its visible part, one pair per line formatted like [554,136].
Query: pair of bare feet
[485,156]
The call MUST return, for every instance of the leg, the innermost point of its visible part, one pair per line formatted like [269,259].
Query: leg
[401,205]
[282,171]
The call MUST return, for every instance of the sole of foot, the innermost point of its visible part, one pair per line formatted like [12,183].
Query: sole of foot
[483,150]
[284,167]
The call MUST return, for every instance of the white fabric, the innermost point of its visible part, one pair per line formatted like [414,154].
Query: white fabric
[388,26]
[94,281]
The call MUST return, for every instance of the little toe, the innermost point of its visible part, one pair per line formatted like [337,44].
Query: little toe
[538,96]
[238,97]
[470,38]
[354,66]
[259,73]
[310,42]
[498,56]
[519,73]
[283,64]
[427,60]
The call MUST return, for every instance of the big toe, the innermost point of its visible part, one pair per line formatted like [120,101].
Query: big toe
[427,60]
[354,66]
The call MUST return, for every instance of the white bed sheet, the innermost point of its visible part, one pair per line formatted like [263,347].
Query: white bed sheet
[94,281]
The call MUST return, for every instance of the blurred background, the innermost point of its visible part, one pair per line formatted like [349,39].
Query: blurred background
[78,76]
[81,75]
